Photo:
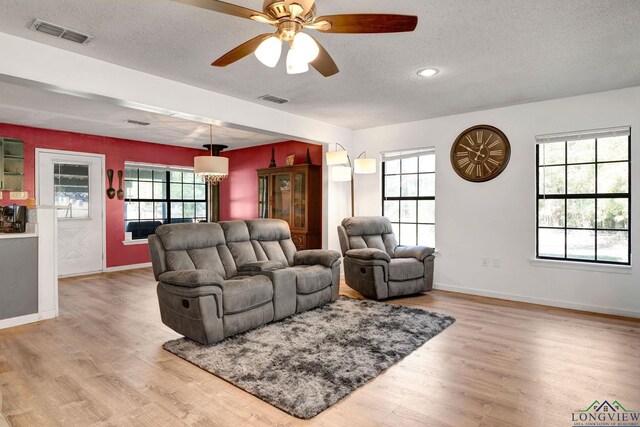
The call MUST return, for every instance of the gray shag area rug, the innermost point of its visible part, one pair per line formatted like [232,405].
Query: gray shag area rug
[307,362]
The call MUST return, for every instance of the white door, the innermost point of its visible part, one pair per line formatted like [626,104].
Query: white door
[73,183]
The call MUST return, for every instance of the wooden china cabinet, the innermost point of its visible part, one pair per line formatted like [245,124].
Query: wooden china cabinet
[294,194]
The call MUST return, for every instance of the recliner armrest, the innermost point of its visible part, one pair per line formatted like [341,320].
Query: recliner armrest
[259,266]
[191,278]
[327,258]
[417,252]
[368,254]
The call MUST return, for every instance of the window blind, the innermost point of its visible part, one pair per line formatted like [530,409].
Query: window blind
[388,156]
[582,135]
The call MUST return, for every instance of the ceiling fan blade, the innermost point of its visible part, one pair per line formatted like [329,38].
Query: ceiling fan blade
[222,7]
[368,23]
[241,51]
[324,63]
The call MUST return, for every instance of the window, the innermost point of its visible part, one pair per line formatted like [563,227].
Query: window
[71,190]
[584,197]
[156,195]
[408,195]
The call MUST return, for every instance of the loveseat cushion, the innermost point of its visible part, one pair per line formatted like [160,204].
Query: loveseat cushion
[191,278]
[243,293]
[401,269]
[311,278]
[271,240]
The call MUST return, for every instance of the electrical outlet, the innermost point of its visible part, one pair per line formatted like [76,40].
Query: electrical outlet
[497,262]
[18,195]
[484,262]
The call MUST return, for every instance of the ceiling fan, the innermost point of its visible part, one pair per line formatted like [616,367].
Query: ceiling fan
[290,17]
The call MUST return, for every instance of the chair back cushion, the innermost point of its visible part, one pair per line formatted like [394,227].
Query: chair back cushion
[196,247]
[271,240]
[370,232]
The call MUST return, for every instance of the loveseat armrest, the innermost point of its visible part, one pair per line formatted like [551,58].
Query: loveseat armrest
[368,254]
[259,266]
[417,252]
[191,278]
[327,258]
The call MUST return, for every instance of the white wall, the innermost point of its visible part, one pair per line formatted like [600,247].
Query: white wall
[496,219]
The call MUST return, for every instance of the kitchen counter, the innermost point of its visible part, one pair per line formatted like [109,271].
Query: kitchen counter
[17,235]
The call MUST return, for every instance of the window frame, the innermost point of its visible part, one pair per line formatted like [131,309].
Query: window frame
[416,199]
[595,196]
[167,170]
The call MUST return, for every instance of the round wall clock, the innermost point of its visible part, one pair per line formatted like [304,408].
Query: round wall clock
[480,153]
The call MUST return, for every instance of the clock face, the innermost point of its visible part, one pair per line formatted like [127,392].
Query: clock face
[480,153]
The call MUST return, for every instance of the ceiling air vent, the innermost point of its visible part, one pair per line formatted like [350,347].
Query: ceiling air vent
[272,98]
[137,122]
[61,32]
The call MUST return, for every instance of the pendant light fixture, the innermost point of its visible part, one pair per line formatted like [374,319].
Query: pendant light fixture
[212,168]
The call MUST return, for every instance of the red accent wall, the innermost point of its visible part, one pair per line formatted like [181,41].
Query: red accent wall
[239,192]
[116,152]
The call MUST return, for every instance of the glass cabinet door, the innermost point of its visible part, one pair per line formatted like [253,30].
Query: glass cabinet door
[299,200]
[263,196]
[282,197]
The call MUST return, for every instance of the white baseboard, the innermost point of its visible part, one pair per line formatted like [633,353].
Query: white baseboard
[127,267]
[20,320]
[47,315]
[541,301]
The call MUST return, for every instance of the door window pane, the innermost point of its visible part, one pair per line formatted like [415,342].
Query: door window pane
[71,190]
[581,179]
[613,214]
[581,213]
[613,178]
[552,180]
[551,213]
[614,148]
[427,235]
[409,185]
[613,246]
[552,154]
[581,151]
[392,210]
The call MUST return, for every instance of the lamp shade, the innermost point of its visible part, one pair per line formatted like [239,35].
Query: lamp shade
[211,165]
[307,46]
[337,158]
[269,51]
[341,173]
[296,62]
[364,166]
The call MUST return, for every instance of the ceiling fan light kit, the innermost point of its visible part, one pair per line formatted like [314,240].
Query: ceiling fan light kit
[290,17]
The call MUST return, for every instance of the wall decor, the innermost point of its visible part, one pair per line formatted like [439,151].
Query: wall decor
[480,153]
[289,160]
[120,192]
[111,192]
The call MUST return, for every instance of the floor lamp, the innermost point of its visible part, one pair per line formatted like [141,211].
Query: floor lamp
[213,169]
[342,170]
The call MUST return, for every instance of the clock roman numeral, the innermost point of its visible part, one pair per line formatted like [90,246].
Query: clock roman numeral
[463,162]
[492,161]
[488,168]
[471,141]
[495,153]
[479,136]
[462,154]
[469,169]
[494,143]
[479,170]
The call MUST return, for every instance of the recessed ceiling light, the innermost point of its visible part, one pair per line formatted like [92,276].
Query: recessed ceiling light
[428,72]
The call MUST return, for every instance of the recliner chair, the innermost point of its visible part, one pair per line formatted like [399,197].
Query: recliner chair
[376,266]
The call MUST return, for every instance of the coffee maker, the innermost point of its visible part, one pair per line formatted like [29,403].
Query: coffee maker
[13,219]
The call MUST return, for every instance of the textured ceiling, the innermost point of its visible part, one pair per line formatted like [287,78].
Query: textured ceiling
[492,53]
[34,107]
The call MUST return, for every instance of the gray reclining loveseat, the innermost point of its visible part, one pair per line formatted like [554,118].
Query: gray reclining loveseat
[219,279]
[376,266]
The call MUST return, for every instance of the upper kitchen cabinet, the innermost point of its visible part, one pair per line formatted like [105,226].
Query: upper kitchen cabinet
[11,164]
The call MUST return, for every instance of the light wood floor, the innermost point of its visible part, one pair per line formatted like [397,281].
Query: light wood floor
[502,363]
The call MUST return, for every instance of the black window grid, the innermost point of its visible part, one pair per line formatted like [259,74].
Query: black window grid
[402,198]
[144,229]
[583,196]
